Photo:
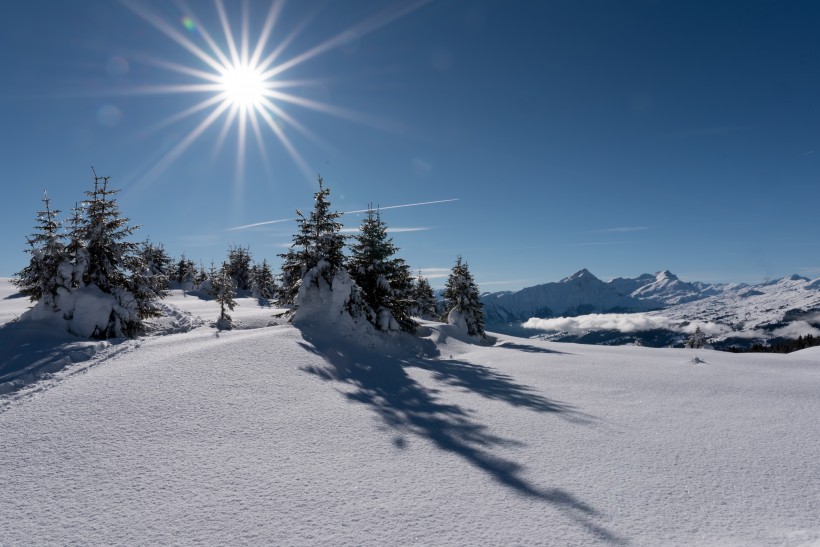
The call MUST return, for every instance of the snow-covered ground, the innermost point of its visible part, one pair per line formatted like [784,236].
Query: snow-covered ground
[272,435]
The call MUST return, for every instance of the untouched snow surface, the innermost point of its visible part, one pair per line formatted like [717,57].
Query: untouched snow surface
[273,435]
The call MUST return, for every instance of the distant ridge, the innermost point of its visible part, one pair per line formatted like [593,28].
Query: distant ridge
[744,314]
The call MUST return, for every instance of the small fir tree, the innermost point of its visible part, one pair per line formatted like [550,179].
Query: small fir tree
[318,243]
[462,299]
[424,298]
[200,275]
[156,264]
[185,273]
[262,283]
[697,340]
[239,267]
[385,280]
[223,291]
[42,278]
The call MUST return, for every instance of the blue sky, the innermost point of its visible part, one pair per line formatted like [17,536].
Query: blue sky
[623,137]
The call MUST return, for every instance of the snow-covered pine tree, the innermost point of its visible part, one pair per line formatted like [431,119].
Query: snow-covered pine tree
[328,242]
[239,267]
[262,284]
[41,279]
[77,265]
[462,299]
[111,257]
[200,275]
[156,263]
[295,262]
[385,280]
[697,340]
[223,291]
[425,299]
[318,243]
[185,273]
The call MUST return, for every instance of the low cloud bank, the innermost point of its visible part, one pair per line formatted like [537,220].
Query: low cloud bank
[622,322]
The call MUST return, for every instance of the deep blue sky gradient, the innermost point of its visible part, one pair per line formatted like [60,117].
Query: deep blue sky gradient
[624,137]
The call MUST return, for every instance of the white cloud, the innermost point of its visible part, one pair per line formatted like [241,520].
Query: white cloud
[266,222]
[435,273]
[795,329]
[621,322]
[390,230]
[620,229]
[507,282]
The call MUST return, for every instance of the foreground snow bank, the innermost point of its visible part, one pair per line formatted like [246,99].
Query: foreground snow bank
[267,437]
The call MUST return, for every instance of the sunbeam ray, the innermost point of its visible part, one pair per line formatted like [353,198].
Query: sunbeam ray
[171,33]
[183,145]
[367,26]
[267,28]
[226,29]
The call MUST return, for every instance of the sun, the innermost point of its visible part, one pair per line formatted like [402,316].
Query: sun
[243,85]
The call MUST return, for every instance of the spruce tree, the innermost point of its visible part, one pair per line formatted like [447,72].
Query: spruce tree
[223,291]
[385,280]
[42,278]
[239,267]
[262,283]
[185,273]
[318,243]
[156,263]
[75,249]
[295,262]
[461,296]
[425,299]
[111,258]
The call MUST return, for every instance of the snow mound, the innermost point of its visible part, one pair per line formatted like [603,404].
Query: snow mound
[35,350]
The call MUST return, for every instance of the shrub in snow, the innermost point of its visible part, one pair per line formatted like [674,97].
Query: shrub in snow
[101,286]
[385,280]
[462,301]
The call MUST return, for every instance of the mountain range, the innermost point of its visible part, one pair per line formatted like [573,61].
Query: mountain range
[731,313]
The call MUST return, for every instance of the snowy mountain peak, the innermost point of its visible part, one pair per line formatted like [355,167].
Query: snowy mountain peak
[666,275]
[580,274]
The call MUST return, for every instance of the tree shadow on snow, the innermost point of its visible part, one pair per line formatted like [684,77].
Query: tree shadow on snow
[382,383]
[494,385]
[528,348]
[30,351]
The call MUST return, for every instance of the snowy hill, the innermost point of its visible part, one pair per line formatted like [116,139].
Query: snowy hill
[273,435]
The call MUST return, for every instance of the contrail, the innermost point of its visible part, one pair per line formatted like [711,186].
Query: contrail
[344,213]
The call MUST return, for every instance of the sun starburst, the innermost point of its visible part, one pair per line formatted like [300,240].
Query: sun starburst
[244,86]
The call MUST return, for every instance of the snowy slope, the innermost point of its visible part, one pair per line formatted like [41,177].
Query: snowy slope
[667,290]
[787,308]
[273,435]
